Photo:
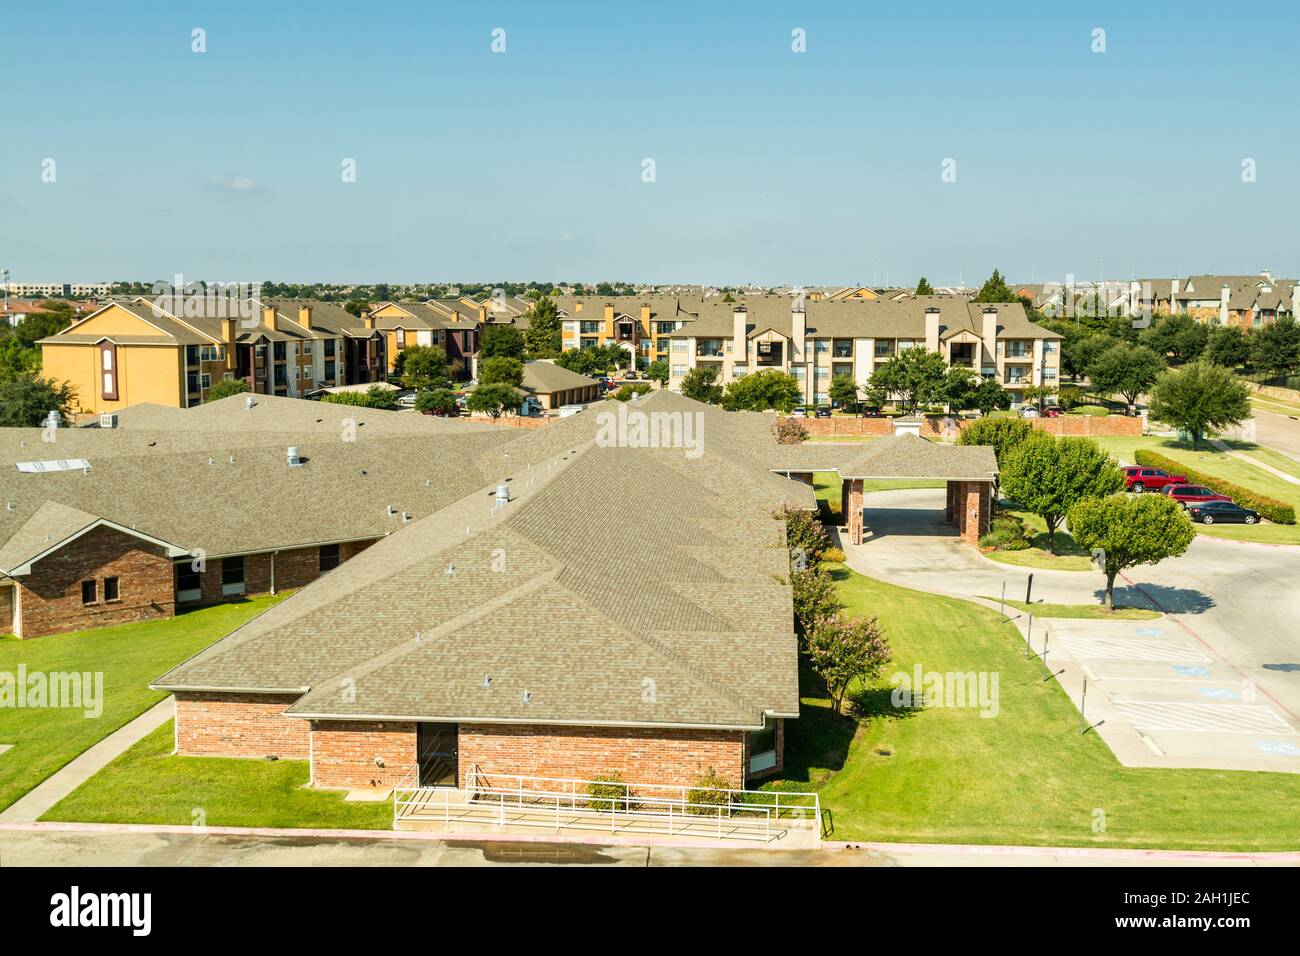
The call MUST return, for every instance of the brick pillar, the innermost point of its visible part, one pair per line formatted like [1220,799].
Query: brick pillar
[974,503]
[948,506]
[853,515]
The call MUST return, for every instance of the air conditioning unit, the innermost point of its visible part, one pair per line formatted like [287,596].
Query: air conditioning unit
[108,420]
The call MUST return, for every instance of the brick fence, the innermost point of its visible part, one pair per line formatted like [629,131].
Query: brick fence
[933,426]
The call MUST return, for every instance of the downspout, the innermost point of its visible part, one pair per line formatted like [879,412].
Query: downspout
[273,554]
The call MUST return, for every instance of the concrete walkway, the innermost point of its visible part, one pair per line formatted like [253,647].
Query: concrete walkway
[77,771]
[1243,456]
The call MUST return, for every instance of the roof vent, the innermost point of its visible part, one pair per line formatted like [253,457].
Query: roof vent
[487,681]
[53,419]
[527,696]
[406,516]
[294,459]
[108,420]
[392,512]
[503,494]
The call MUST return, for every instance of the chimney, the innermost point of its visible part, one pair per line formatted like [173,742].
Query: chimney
[304,316]
[609,321]
[798,332]
[989,329]
[1295,299]
[932,329]
[368,318]
[268,317]
[1224,292]
[230,331]
[740,335]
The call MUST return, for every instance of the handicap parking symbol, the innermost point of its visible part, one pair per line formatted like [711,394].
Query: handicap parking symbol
[1190,670]
[1218,693]
[1149,631]
[1278,748]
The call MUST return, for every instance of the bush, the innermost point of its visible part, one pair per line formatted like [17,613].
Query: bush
[704,793]
[374,397]
[1096,411]
[1272,509]
[790,431]
[627,390]
[437,401]
[833,555]
[607,793]
[1003,539]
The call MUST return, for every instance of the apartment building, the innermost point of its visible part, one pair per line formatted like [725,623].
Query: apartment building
[172,351]
[67,289]
[855,337]
[1247,302]
[641,326]
[451,324]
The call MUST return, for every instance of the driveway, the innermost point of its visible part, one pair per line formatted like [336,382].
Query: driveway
[1214,683]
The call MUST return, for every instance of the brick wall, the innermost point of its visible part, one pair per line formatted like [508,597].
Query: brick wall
[294,568]
[50,597]
[638,755]
[344,753]
[845,425]
[239,725]
[935,426]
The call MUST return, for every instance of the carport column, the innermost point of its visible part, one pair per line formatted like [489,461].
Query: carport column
[854,513]
[975,510]
[950,506]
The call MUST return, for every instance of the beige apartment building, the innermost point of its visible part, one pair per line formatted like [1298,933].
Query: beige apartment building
[855,337]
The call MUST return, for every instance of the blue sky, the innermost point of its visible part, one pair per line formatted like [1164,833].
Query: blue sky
[770,166]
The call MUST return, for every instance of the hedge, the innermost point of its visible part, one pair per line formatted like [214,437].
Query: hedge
[1270,508]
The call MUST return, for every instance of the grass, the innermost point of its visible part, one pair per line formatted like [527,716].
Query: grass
[128,656]
[1068,556]
[1026,776]
[1089,612]
[149,784]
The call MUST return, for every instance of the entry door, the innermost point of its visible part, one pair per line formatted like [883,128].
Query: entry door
[437,749]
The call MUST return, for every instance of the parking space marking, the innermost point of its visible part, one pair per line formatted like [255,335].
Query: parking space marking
[1214,718]
[1123,648]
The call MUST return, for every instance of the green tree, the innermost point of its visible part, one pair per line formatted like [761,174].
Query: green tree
[26,400]
[814,596]
[584,361]
[493,399]
[1228,346]
[1081,351]
[769,388]
[437,401]
[1275,348]
[701,384]
[1200,399]
[501,370]
[1180,337]
[923,287]
[959,387]
[995,289]
[913,376]
[1048,476]
[422,367]
[843,650]
[1123,531]
[1003,434]
[501,340]
[990,395]
[844,390]
[1068,396]
[227,387]
[657,371]
[544,334]
[1126,370]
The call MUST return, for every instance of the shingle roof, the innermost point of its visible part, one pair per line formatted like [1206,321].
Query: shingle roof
[910,456]
[544,377]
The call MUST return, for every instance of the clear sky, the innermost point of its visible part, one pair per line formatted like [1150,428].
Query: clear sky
[770,166]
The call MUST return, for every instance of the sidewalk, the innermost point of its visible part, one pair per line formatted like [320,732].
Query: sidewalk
[54,788]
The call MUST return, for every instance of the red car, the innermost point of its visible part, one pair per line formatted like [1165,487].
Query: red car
[1189,495]
[1051,411]
[1138,479]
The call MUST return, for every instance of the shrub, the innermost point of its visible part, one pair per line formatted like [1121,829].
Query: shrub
[1096,411]
[437,401]
[790,431]
[627,390]
[1003,539]
[1272,509]
[833,555]
[707,792]
[804,536]
[607,793]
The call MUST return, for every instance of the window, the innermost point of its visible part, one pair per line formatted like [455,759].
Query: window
[329,348]
[762,750]
[110,590]
[401,338]
[205,380]
[1049,346]
[108,363]
[679,345]
[679,371]
[329,371]
[306,348]
[329,557]
[192,382]
[232,575]
[211,353]
[191,355]
[89,592]
[821,345]
[278,351]
[188,581]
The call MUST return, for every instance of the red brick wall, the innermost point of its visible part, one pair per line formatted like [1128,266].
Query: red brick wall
[933,426]
[637,754]
[239,725]
[970,508]
[343,753]
[50,597]
[294,568]
[845,425]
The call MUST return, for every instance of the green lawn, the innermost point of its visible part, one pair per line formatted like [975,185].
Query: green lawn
[1067,556]
[1026,776]
[148,784]
[1092,612]
[128,656]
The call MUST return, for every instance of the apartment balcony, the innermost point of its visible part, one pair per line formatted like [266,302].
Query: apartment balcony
[714,354]
[1018,357]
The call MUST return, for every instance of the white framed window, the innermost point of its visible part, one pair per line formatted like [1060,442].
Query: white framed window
[679,371]
[205,380]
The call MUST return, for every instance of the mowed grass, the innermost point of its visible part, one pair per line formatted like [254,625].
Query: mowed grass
[1091,612]
[1066,556]
[1026,776]
[129,656]
[148,784]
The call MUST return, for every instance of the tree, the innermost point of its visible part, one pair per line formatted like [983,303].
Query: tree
[493,399]
[1048,476]
[1275,348]
[1124,531]
[422,367]
[1068,396]
[814,596]
[544,334]
[1003,434]
[1126,370]
[227,387]
[501,340]
[804,536]
[913,376]
[1227,346]
[501,370]
[1037,394]
[657,371]
[843,650]
[995,289]
[1080,353]
[437,401]
[1179,336]
[844,390]
[923,287]
[701,384]
[1200,399]
[770,388]
[959,386]
[26,400]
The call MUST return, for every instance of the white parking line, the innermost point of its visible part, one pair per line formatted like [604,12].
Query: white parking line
[1121,648]
[1215,718]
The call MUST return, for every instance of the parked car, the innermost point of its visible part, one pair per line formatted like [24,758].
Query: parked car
[823,411]
[1139,479]
[1227,512]
[1193,494]
[1051,411]
[1029,412]
[799,411]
